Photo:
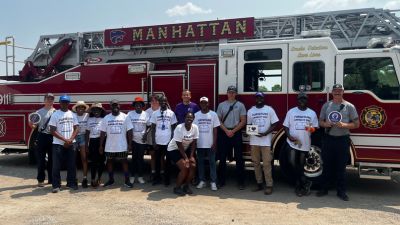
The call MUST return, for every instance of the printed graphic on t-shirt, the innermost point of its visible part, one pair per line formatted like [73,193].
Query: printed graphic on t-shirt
[301,122]
[115,126]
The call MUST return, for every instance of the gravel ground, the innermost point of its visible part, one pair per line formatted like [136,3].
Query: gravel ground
[21,202]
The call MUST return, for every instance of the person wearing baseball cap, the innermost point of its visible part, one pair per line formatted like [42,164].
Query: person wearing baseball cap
[44,140]
[116,131]
[207,122]
[266,120]
[232,115]
[140,120]
[338,117]
[300,122]
[64,127]
[80,109]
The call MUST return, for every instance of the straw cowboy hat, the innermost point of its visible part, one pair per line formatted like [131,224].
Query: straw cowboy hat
[80,103]
[96,105]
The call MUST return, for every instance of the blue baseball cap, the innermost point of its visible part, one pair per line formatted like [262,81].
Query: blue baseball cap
[260,94]
[65,98]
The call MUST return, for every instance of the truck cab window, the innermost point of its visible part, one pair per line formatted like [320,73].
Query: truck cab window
[311,74]
[377,75]
[262,76]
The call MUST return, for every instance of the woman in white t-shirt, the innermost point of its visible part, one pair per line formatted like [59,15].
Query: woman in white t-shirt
[80,109]
[181,151]
[96,161]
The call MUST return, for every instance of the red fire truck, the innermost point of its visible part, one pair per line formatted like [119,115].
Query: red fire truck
[277,55]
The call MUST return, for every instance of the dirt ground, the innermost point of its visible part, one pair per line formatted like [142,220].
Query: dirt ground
[21,202]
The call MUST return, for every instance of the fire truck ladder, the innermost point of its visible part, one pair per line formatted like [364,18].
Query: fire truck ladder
[349,29]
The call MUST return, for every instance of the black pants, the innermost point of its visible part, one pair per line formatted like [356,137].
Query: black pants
[137,159]
[44,147]
[335,155]
[96,161]
[159,155]
[297,160]
[225,145]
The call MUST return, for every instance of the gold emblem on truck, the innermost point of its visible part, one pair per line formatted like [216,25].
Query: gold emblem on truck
[373,117]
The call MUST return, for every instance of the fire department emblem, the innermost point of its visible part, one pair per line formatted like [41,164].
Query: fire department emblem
[2,127]
[373,117]
[117,36]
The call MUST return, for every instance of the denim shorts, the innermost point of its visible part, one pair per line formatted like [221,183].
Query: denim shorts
[80,140]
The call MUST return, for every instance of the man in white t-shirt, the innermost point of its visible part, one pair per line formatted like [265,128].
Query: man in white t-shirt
[265,118]
[163,122]
[64,128]
[116,127]
[299,123]
[139,120]
[207,122]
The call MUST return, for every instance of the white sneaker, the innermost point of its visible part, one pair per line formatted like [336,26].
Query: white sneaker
[141,180]
[132,180]
[213,186]
[201,185]
[56,190]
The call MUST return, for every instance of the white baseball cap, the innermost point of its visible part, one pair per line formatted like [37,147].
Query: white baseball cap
[203,99]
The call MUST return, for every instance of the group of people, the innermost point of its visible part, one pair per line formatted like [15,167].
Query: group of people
[186,137]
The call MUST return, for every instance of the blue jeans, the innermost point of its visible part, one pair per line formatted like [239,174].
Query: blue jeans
[60,155]
[201,153]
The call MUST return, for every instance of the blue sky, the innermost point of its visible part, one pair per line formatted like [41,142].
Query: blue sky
[26,20]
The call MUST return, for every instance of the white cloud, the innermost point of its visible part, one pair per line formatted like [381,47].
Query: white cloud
[187,9]
[394,4]
[329,5]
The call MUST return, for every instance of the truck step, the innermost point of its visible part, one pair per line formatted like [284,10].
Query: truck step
[382,173]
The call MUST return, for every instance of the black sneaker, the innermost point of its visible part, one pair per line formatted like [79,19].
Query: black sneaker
[299,191]
[156,181]
[187,189]
[179,191]
[343,196]
[108,183]
[322,192]
[259,187]
[166,180]
[128,183]
[84,183]
[72,186]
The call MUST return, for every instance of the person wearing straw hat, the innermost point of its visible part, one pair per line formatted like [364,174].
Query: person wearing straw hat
[96,161]
[80,109]
[139,120]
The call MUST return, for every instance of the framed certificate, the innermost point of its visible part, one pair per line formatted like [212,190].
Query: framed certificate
[252,129]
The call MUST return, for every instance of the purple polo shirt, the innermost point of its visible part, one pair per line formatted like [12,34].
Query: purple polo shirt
[181,110]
